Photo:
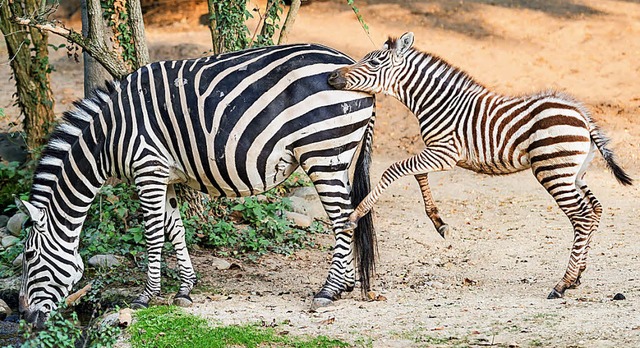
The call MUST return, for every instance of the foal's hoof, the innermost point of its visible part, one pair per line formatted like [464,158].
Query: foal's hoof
[350,226]
[444,231]
[182,301]
[319,302]
[554,294]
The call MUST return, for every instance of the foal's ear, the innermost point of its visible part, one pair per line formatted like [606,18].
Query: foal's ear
[404,43]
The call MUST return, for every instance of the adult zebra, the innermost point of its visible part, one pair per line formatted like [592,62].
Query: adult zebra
[236,124]
[463,123]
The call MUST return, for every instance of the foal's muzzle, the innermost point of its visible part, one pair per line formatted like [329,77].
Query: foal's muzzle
[337,79]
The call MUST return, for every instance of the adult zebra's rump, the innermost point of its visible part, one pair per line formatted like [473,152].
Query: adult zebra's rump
[465,124]
[236,124]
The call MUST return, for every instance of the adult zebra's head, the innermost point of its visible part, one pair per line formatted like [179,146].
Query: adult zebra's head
[377,71]
[51,265]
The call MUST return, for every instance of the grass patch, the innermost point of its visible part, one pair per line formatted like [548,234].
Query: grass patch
[169,326]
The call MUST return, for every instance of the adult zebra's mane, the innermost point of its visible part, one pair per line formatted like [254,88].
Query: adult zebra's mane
[66,135]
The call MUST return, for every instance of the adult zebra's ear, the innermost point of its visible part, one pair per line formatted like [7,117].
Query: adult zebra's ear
[404,43]
[32,211]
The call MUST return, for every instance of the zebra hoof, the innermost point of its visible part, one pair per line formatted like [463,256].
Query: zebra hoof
[319,302]
[554,294]
[182,301]
[138,305]
[444,231]
[350,226]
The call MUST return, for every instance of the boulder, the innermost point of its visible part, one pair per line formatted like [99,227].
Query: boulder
[8,241]
[107,261]
[14,225]
[3,220]
[17,262]
[298,219]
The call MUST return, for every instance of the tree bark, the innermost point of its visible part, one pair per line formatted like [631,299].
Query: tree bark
[288,22]
[30,64]
[137,29]
[95,75]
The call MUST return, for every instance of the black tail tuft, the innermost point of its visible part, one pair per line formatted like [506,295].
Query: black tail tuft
[601,142]
[364,239]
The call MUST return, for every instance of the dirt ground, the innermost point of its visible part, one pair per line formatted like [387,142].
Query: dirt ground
[510,243]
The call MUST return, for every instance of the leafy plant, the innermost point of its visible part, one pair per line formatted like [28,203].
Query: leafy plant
[163,326]
[15,179]
[61,332]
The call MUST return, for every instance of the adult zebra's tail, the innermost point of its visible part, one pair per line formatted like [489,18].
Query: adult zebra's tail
[601,142]
[364,238]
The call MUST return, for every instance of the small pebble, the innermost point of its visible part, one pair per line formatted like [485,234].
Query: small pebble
[619,297]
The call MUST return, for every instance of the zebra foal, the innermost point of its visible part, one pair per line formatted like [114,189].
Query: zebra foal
[236,124]
[465,124]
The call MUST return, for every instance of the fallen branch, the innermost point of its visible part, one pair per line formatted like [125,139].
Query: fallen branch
[73,298]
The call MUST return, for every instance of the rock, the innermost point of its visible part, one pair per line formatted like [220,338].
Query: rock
[619,297]
[298,219]
[12,148]
[107,260]
[305,200]
[14,225]
[4,310]
[125,317]
[9,241]
[3,220]
[18,261]
[110,320]
[220,264]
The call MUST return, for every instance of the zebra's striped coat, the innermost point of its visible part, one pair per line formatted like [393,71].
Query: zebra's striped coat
[464,124]
[231,125]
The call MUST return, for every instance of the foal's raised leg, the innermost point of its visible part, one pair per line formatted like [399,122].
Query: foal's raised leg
[430,206]
[436,157]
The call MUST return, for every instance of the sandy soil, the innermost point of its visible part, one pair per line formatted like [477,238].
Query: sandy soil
[488,283]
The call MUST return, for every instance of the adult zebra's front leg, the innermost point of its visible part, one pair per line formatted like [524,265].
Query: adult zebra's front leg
[152,191]
[176,234]
[437,157]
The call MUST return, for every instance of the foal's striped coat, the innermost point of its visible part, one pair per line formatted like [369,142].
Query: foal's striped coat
[463,123]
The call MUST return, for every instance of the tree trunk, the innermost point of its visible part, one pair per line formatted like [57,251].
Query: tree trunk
[95,75]
[30,64]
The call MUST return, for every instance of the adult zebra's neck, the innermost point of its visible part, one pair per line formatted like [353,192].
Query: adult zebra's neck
[429,85]
[71,170]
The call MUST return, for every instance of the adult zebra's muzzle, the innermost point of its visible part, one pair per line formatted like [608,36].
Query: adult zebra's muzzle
[35,317]
[337,78]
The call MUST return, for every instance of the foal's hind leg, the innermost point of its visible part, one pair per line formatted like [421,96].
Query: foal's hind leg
[559,179]
[430,206]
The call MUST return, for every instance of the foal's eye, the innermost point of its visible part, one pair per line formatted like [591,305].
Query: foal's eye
[29,254]
[374,62]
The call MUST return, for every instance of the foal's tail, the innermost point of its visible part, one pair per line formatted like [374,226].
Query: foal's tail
[364,234]
[601,142]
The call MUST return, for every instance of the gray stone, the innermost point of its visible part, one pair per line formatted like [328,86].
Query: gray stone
[220,264]
[18,261]
[4,310]
[3,220]
[9,241]
[103,261]
[14,225]
[298,219]
[305,200]
[12,148]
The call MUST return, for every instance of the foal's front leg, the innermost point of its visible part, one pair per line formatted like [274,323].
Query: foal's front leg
[436,157]
[430,206]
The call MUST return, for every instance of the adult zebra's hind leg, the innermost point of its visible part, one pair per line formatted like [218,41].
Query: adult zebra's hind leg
[430,206]
[176,234]
[334,193]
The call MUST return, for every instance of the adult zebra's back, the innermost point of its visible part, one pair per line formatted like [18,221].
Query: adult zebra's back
[465,124]
[232,125]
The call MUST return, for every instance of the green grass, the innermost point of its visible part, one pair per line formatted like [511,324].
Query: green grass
[163,326]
